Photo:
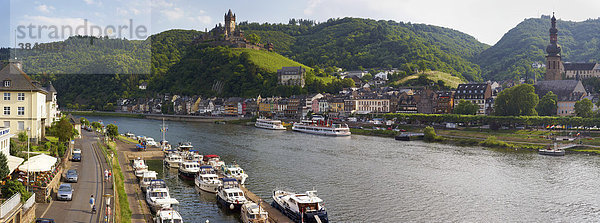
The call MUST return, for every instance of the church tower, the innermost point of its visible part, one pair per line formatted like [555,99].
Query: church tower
[554,66]
[229,23]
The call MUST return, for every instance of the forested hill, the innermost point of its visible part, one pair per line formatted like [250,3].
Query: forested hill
[351,43]
[525,44]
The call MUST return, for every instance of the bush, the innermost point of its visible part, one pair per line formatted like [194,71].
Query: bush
[12,187]
[430,135]
[22,136]
[492,141]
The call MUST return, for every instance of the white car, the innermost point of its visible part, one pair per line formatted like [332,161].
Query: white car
[76,150]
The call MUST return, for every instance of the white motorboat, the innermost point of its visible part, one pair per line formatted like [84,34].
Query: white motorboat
[300,207]
[322,128]
[139,167]
[230,194]
[188,170]
[207,179]
[234,171]
[158,198]
[147,177]
[253,213]
[214,161]
[168,215]
[192,156]
[266,123]
[185,146]
[160,183]
[151,142]
[173,159]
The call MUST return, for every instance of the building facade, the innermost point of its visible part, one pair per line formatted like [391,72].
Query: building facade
[291,76]
[475,93]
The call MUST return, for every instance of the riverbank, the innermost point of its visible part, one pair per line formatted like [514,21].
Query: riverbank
[181,118]
[99,113]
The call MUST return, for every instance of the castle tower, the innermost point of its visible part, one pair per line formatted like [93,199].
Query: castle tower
[554,67]
[229,23]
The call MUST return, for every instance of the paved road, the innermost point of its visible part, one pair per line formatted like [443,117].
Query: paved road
[91,171]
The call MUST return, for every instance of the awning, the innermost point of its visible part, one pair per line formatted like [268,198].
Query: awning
[39,163]
[14,162]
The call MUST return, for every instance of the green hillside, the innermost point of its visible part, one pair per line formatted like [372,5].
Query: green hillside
[435,76]
[269,61]
[525,44]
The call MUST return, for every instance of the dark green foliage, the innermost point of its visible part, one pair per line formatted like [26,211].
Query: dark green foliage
[583,108]
[112,130]
[96,125]
[12,187]
[22,136]
[62,129]
[84,121]
[547,105]
[525,44]
[4,171]
[465,108]
[429,134]
[519,100]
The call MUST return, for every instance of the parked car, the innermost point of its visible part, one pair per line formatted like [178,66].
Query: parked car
[65,192]
[71,176]
[44,220]
[76,150]
[76,157]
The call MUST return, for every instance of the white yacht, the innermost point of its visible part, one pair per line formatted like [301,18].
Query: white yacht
[322,128]
[300,207]
[207,179]
[269,124]
[253,213]
[139,167]
[168,215]
[234,171]
[192,156]
[159,198]
[185,146]
[160,183]
[147,177]
[188,170]
[230,194]
[214,161]
[173,159]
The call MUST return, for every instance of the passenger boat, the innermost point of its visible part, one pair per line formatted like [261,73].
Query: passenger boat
[269,124]
[147,177]
[214,161]
[234,171]
[173,159]
[300,207]
[168,215]
[319,127]
[159,198]
[207,179]
[253,213]
[230,194]
[188,170]
[552,151]
[139,167]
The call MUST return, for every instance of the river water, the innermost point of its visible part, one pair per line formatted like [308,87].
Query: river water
[373,179]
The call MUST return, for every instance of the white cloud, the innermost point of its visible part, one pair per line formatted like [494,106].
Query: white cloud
[173,14]
[312,4]
[204,19]
[92,2]
[161,4]
[44,8]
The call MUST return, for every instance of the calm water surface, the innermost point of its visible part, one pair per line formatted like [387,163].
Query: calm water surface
[372,179]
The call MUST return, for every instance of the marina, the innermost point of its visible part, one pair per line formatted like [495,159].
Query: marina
[451,184]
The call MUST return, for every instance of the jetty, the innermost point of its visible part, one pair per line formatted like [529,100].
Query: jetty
[408,136]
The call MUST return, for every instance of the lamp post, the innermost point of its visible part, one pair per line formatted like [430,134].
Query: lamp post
[29,131]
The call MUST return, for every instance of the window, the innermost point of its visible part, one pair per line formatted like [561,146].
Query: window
[6,110]
[6,83]
[7,124]
[21,125]
[21,111]
[7,96]
[20,96]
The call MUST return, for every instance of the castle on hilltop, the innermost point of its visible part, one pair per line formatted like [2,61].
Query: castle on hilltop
[228,35]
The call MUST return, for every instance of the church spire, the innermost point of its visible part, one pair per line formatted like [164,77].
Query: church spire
[553,49]
[554,67]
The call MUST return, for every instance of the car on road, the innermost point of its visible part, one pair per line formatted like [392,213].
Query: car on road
[71,176]
[65,192]
[44,220]
[76,157]
[76,150]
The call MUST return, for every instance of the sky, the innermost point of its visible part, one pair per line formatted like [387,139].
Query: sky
[486,20]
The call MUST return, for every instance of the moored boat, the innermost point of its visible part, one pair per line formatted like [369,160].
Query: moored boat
[173,159]
[168,215]
[158,198]
[147,178]
[188,170]
[139,167]
[253,213]
[322,128]
[234,171]
[185,146]
[552,151]
[305,207]
[192,156]
[207,179]
[230,194]
[214,161]
[266,123]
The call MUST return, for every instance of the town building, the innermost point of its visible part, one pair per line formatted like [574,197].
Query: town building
[476,93]
[406,102]
[13,161]
[581,70]
[426,100]
[371,103]
[567,91]
[291,76]
[26,105]
[554,67]
[444,102]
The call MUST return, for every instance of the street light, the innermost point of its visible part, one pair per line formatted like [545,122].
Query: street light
[28,130]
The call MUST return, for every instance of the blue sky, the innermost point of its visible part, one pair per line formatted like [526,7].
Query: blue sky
[485,20]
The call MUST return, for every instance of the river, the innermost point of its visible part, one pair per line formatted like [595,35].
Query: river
[373,179]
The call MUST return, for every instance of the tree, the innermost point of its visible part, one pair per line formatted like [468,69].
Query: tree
[96,125]
[465,108]
[63,130]
[547,105]
[253,38]
[583,108]
[12,187]
[4,171]
[22,136]
[84,121]
[429,134]
[519,100]
[112,130]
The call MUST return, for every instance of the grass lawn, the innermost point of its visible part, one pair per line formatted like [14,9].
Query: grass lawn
[127,139]
[435,76]
[269,61]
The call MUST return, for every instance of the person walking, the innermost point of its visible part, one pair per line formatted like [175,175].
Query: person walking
[105,174]
[109,175]
[92,203]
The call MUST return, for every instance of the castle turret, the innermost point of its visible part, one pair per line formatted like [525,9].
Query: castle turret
[229,23]
[554,65]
